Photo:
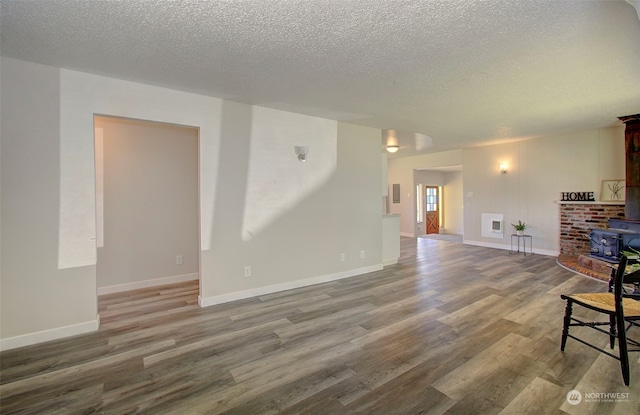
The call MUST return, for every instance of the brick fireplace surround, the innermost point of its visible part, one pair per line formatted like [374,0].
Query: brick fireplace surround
[577,220]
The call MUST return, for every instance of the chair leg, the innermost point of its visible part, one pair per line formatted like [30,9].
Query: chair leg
[567,321]
[622,347]
[612,330]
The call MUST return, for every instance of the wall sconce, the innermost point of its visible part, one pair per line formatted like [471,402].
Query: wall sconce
[392,148]
[302,152]
[503,168]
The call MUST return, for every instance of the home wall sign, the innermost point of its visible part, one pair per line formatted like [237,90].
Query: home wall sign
[578,196]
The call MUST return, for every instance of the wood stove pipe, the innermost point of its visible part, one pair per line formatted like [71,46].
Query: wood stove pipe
[632,158]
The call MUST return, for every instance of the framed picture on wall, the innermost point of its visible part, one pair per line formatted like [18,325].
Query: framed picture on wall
[612,191]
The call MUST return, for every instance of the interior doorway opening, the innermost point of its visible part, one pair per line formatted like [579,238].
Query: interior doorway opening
[446,197]
[147,204]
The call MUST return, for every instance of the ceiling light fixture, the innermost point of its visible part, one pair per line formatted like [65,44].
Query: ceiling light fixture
[392,148]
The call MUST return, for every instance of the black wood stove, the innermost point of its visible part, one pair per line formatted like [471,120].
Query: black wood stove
[607,243]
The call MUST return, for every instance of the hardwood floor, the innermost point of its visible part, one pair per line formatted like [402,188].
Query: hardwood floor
[451,329]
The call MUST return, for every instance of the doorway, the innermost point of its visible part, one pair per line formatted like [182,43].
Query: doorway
[447,199]
[147,204]
[432,209]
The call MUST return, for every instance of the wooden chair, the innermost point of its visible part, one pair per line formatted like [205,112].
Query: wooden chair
[622,309]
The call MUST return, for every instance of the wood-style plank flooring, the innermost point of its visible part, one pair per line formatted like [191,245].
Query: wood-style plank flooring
[451,329]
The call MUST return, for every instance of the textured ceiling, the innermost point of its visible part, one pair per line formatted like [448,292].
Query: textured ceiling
[455,72]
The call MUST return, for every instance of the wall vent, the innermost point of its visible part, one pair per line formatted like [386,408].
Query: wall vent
[492,225]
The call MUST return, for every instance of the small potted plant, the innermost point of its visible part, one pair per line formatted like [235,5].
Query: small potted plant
[520,227]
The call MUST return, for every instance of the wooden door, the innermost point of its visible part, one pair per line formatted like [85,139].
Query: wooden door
[431,208]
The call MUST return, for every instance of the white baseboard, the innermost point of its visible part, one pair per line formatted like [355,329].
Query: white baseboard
[47,335]
[546,252]
[146,283]
[254,292]
[389,261]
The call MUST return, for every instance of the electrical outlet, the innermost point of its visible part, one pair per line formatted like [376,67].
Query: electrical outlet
[178,259]
[362,254]
[343,257]
[247,271]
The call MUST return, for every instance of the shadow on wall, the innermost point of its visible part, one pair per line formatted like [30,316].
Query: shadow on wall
[277,180]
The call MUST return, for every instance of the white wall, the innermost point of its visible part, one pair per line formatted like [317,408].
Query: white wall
[150,204]
[539,170]
[48,196]
[304,243]
[39,301]
[81,96]
[453,202]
